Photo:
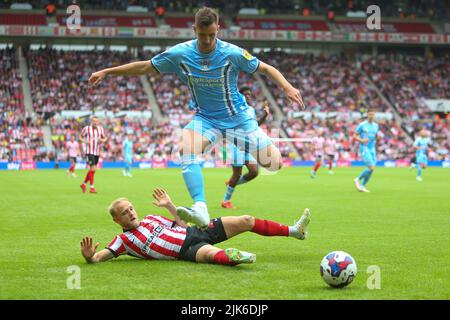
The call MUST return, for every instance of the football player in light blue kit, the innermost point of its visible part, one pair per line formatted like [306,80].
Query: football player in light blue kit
[421,146]
[128,155]
[210,67]
[366,135]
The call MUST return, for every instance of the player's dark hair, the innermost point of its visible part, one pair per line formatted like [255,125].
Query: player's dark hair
[206,17]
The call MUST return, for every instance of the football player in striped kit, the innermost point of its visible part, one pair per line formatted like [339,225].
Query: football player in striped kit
[157,237]
[92,137]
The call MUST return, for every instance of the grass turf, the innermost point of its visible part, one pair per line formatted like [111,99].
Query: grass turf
[402,227]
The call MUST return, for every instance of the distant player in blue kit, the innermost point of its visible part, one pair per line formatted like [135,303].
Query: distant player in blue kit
[240,158]
[210,67]
[421,146]
[366,135]
[128,155]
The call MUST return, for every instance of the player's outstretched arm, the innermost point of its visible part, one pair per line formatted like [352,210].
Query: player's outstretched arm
[163,200]
[88,250]
[130,69]
[291,93]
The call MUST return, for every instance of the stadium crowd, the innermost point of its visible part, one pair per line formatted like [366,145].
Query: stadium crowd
[150,141]
[329,83]
[408,80]
[11,93]
[22,138]
[58,81]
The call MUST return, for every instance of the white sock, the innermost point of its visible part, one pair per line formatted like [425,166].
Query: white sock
[294,232]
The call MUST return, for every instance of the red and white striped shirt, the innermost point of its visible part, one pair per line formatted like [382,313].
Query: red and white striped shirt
[72,147]
[154,238]
[92,136]
[331,147]
[319,145]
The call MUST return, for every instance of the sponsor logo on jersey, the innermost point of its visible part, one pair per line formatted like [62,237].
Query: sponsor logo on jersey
[247,55]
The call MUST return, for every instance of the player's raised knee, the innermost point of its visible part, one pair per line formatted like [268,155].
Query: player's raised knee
[247,222]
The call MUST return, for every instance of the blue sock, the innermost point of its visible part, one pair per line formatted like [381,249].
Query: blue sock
[241,181]
[363,174]
[229,193]
[193,177]
[419,171]
[367,177]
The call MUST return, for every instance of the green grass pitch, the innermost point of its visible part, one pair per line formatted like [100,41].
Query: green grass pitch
[402,227]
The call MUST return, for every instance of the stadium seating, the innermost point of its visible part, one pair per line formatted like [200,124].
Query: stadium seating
[66,74]
[329,83]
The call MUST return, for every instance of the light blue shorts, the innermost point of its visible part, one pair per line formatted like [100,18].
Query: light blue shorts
[128,158]
[369,157]
[247,136]
[421,158]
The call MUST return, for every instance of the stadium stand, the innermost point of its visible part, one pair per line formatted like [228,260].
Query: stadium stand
[66,74]
[331,82]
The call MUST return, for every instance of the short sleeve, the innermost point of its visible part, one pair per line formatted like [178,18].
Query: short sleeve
[244,61]
[165,62]
[416,142]
[359,128]
[116,247]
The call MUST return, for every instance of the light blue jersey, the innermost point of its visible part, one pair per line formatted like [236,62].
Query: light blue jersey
[211,78]
[421,154]
[368,130]
[128,150]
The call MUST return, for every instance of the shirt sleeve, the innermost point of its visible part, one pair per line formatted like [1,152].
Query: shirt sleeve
[244,61]
[165,62]
[116,247]
[359,129]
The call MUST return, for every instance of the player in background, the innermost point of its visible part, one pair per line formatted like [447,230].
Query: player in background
[127,152]
[241,158]
[318,147]
[73,150]
[331,151]
[413,162]
[157,237]
[421,146]
[211,67]
[366,135]
[92,136]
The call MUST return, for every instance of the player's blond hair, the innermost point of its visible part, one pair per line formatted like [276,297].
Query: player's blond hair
[112,209]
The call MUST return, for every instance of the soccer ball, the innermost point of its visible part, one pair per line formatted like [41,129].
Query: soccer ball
[338,269]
